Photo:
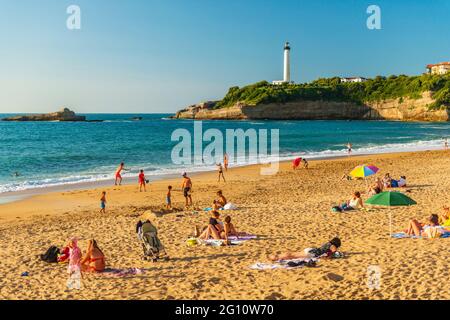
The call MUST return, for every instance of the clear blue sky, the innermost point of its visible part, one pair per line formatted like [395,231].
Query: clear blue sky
[159,56]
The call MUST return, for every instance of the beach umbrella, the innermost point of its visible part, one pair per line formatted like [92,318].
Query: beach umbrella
[390,199]
[363,171]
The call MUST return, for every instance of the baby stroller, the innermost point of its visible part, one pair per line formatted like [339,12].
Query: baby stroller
[152,246]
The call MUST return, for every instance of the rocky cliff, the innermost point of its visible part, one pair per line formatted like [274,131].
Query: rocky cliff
[62,115]
[404,109]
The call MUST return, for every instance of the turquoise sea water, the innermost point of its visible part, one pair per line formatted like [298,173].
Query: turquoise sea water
[56,153]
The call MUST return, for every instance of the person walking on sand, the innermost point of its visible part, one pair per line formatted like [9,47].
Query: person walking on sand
[445,144]
[225,161]
[119,174]
[103,202]
[169,198]
[220,169]
[142,181]
[349,148]
[187,189]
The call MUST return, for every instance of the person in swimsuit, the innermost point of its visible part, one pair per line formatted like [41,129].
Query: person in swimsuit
[213,230]
[142,181]
[220,169]
[103,202]
[329,249]
[118,174]
[349,148]
[419,229]
[94,260]
[225,161]
[228,229]
[222,201]
[187,189]
[169,198]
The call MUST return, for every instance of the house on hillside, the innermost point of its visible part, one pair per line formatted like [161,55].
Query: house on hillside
[439,68]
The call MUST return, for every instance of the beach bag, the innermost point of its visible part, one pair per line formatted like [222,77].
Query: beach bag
[51,255]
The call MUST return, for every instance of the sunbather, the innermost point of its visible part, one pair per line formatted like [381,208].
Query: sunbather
[429,230]
[387,180]
[376,188]
[353,203]
[221,200]
[329,249]
[94,260]
[213,230]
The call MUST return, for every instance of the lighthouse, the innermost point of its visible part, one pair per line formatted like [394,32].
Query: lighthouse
[286,66]
[287,63]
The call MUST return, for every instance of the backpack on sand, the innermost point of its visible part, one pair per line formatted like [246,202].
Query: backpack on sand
[51,255]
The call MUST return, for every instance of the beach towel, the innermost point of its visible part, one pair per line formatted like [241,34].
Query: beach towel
[210,209]
[119,273]
[233,240]
[283,264]
[402,235]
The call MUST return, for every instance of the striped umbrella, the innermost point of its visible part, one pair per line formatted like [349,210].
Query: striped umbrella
[363,171]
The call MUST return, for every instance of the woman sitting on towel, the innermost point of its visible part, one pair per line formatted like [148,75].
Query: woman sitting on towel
[94,260]
[329,249]
[430,230]
[228,229]
[353,203]
[213,230]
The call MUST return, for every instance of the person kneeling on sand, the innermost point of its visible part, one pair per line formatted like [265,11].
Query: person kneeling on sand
[430,230]
[329,250]
[222,201]
[94,260]
[213,230]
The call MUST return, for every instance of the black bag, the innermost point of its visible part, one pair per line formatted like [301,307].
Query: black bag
[51,255]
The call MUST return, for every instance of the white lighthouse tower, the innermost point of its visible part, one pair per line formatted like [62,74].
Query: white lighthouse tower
[286,66]
[287,63]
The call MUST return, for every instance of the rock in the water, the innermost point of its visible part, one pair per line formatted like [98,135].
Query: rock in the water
[63,115]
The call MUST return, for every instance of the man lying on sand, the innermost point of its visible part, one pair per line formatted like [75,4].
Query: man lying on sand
[330,249]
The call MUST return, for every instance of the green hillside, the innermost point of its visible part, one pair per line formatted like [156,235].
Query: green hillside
[377,89]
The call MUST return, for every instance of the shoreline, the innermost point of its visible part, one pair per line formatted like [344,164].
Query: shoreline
[15,196]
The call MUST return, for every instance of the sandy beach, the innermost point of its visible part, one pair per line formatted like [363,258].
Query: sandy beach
[290,210]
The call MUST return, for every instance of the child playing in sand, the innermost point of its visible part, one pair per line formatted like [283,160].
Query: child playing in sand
[329,249]
[103,202]
[168,198]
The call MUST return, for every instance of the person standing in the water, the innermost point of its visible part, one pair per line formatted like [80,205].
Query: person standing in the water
[445,144]
[349,148]
[225,161]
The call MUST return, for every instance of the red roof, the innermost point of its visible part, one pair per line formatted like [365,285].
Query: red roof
[438,64]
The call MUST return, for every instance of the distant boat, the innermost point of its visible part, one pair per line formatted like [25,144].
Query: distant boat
[136,118]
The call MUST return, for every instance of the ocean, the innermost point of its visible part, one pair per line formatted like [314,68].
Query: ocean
[48,154]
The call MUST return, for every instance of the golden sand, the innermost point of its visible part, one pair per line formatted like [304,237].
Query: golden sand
[290,210]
